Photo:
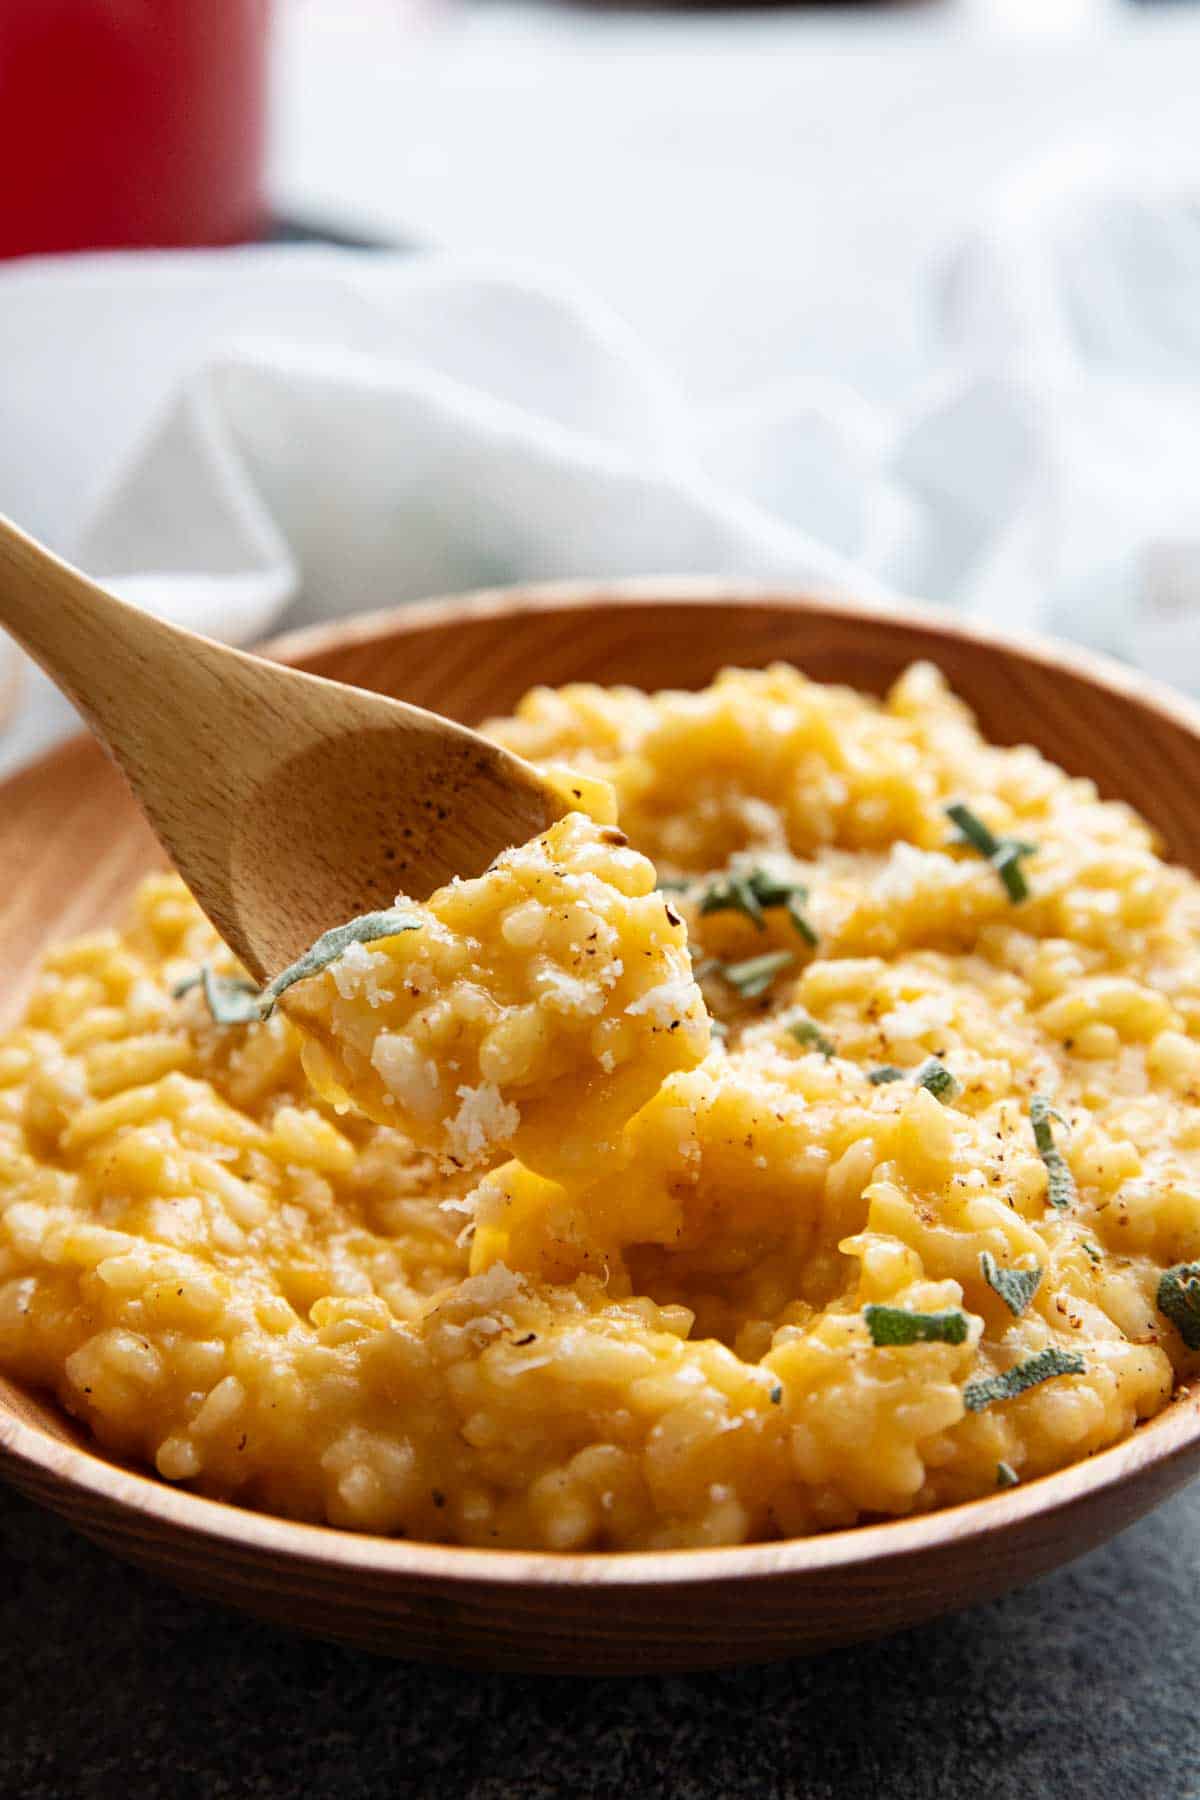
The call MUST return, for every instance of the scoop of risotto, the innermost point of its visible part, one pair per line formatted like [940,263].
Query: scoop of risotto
[533,1009]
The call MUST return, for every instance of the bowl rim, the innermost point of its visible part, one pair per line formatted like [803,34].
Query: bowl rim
[181,1512]
[583,595]
[1171,1434]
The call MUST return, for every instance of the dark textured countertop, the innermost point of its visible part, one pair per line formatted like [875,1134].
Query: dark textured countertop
[1082,1686]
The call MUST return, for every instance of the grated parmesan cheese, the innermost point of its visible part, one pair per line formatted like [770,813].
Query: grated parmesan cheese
[357,971]
[411,1078]
[671,999]
[484,1118]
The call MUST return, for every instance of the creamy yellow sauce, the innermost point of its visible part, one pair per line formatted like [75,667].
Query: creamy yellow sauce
[501,1249]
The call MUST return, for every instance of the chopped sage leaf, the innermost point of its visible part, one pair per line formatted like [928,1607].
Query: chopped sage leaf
[972,830]
[777,1394]
[772,890]
[1007,864]
[1006,1475]
[1004,853]
[755,975]
[1043,1366]
[880,1077]
[231,999]
[895,1325]
[935,1076]
[1179,1301]
[799,918]
[367,929]
[733,893]
[932,1074]
[1016,1287]
[791,895]
[806,1031]
[1091,1250]
[753,891]
[1061,1190]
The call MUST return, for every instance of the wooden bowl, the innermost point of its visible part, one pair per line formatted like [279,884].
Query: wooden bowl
[72,844]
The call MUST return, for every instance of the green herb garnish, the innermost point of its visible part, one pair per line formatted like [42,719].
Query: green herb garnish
[1091,1250]
[231,999]
[368,928]
[935,1076]
[1044,1366]
[755,975]
[673,884]
[733,893]
[1004,853]
[932,1074]
[895,1325]
[1179,1301]
[777,1394]
[1016,1287]
[772,890]
[1006,1475]
[799,918]
[806,1031]
[1061,1190]
[752,892]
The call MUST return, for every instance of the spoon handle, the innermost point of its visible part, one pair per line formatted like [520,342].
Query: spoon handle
[92,645]
[145,688]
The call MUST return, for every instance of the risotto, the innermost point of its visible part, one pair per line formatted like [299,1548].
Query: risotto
[811,1134]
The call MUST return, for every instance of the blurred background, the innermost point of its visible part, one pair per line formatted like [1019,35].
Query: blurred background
[746,185]
[898,297]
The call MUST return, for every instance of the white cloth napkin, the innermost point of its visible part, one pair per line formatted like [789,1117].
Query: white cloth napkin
[235,437]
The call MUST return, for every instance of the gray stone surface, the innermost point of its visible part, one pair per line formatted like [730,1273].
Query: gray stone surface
[1084,1685]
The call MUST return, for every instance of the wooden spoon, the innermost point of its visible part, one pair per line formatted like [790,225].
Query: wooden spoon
[287,802]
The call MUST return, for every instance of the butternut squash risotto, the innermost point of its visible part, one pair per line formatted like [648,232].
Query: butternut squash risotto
[822,1144]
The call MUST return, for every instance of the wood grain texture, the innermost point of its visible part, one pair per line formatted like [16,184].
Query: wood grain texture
[278,795]
[10,683]
[72,843]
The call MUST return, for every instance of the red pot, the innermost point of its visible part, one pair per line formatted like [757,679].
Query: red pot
[131,122]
